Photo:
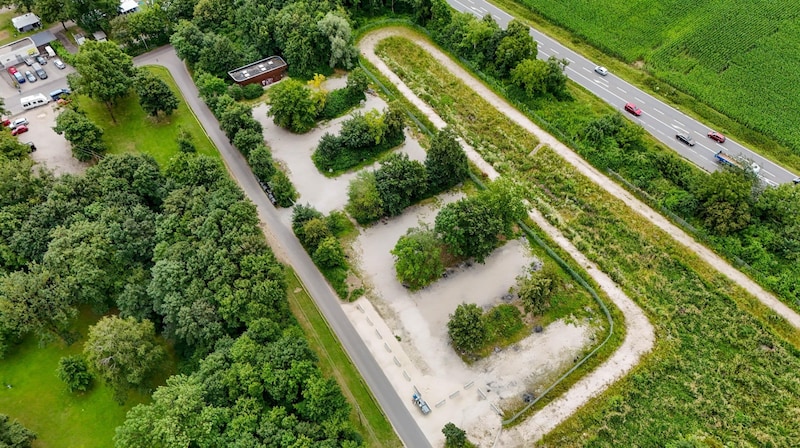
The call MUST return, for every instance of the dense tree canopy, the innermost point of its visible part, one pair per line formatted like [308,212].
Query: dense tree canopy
[154,94]
[466,328]
[446,162]
[418,258]
[14,435]
[400,182]
[104,72]
[85,137]
[292,106]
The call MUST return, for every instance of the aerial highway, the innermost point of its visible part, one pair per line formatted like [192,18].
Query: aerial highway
[661,120]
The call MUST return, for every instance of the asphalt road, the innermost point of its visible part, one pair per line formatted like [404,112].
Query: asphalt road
[327,301]
[658,118]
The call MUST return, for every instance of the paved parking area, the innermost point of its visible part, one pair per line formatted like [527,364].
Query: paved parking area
[56,79]
[52,150]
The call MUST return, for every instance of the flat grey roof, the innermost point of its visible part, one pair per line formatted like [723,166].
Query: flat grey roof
[25,20]
[43,38]
[257,68]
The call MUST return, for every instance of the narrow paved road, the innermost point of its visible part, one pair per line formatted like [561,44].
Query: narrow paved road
[326,300]
[659,119]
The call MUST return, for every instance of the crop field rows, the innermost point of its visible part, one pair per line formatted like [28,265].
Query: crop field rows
[723,368]
[740,57]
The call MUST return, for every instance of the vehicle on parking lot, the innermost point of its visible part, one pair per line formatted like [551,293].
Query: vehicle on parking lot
[32,146]
[17,75]
[685,138]
[58,93]
[33,101]
[28,60]
[19,122]
[600,70]
[19,130]
[59,64]
[41,59]
[5,122]
[39,71]
[631,108]
[29,76]
[716,136]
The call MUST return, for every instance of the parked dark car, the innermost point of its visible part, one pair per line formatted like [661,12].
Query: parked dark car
[685,138]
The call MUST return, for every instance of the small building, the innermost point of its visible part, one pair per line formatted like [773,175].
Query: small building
[26,22]
[128,6]
[43,38]
[99,36]
[13,53]
[264,72]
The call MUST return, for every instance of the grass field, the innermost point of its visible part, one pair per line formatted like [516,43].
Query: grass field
[40,401]
[740,57]
[135,131]
[724,367]
[334,362]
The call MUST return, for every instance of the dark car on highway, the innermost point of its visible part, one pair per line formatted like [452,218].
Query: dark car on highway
[685,138]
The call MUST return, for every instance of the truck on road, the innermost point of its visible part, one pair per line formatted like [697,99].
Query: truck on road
[738,162]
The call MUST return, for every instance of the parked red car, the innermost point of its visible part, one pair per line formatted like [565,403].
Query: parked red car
[6,122]
[631,108]
[19,130]
[716,136]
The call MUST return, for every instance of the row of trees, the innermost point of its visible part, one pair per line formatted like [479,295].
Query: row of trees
[362,138]
[247,135]
[469,228]
[400,182]
[320,235]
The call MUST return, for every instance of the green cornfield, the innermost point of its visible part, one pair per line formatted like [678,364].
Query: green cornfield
[741,57]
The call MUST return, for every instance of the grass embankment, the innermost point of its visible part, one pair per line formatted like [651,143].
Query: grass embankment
[41,402]
[135,131]
[334,362]
[685,59]
[724,367]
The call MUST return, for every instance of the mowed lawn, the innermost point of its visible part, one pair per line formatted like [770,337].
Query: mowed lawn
[741,57]
[135,131]
[41,401]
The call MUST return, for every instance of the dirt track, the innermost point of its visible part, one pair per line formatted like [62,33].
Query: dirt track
[640,337]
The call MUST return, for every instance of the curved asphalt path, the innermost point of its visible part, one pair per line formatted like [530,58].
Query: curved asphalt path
[315,283]
[659,119]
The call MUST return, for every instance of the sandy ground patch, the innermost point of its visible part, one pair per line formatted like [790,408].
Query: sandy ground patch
[52,150]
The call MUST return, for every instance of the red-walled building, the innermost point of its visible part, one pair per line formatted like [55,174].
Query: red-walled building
[264,72]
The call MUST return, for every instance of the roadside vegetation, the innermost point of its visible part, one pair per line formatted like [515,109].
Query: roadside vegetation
[698,49]
[731,355]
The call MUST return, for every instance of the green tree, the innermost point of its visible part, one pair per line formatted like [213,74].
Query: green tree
[74,371]
[531,76]
[357,82]
[778,209]
[185,141]
[469,228]
[466,328]
[220,54]
[52,11]
[536,289]
[725,201]
[329,253]
[92,15]
[282,188]
[364,202]
[14,435]
[418,258]
[123,352]
[292,107]
[515,46]
[400,182]
[154,94]
[315,231]
[11,147]
[504,197]
[446,162]
[104,72]
[454,437]
[556,79]
[84,136]
[302,214]
[188,41]
[260,161]
[337,30]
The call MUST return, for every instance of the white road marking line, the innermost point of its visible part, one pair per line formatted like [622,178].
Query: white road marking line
[620,89]
[570,60]
[639,99]
[554,50]
[676,121]
[662,113]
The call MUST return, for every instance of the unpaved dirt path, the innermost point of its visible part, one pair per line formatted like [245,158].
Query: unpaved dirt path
[640,337]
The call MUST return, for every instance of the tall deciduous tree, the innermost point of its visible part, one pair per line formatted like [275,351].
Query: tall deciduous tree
[400,181]
[725,201]
[446,162]
[418,258]
[292,106]
[124,352]
[260,161]
[469,227]
[516,45]
[466,328]
[84,136]
[104,72]
[154,94]
[364,202]
[337,30]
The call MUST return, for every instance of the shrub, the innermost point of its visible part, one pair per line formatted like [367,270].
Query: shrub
[536,289]
[260,161]
[282,188]
[314,232]
[252,91]
[236,92]
[418,258]
[329,253]
[246,140]
[466,328]
[363,200]
[185,141]
[74,371]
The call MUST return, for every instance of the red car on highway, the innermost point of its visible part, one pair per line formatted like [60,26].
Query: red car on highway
[631,108]
[716,136]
